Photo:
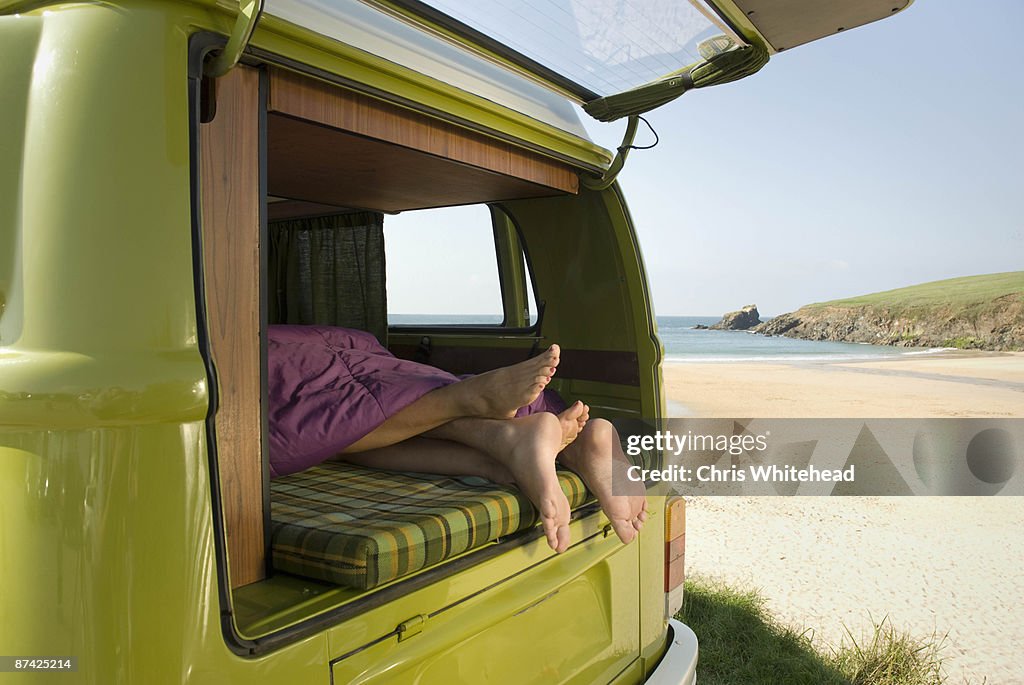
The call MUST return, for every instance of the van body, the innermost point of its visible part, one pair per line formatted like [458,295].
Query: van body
[142,201]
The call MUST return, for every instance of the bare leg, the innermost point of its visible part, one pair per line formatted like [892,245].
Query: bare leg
[426,455]
[492,448]
[596,455]
[527,447]
[495,394]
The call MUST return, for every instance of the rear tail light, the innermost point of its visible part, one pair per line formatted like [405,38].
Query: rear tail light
[675,552]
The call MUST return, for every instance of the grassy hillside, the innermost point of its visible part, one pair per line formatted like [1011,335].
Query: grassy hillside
[976,312]
[950,292]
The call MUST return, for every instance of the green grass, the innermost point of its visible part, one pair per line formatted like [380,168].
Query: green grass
[952,291]
[889,657]
[740,642]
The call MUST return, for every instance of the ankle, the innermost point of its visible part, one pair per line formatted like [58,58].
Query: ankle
[499,473]
[457,402]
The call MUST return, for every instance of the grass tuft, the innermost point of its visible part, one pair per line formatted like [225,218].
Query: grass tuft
[890,657]
[740,642]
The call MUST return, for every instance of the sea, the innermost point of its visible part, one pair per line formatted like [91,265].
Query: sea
[683,343]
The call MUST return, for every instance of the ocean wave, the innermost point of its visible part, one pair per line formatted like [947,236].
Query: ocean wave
[795,357]
[891,353]
[931,350]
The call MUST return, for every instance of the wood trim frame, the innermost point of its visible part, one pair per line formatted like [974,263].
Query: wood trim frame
[302,97]
[230,182]
[232,187]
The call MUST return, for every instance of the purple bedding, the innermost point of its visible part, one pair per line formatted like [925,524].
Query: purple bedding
[329,387]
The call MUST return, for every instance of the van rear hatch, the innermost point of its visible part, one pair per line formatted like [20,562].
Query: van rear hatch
[580,49]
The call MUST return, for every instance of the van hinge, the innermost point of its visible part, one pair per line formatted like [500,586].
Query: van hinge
[413,626]
[245,23]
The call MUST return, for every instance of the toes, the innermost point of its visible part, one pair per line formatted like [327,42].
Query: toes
[551,357]
[584,415]
[552,534]
[574,412]
[550,525]
[562,537]
[624,530]
[641,517]
[557,535]
[555,518]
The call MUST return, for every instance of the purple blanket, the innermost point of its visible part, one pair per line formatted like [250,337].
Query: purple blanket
[329,387]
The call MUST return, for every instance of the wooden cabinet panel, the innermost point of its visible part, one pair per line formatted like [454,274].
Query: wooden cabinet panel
[306,98]
[230,175]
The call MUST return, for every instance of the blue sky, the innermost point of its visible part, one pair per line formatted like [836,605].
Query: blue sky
[883,157]
[886,156]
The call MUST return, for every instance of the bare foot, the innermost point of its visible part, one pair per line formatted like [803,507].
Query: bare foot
[499,393]
[597,457]
[572,421]
[527,446]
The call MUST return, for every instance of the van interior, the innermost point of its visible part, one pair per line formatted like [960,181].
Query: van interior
[298,181]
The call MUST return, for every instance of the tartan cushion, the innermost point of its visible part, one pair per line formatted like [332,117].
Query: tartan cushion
[363,527]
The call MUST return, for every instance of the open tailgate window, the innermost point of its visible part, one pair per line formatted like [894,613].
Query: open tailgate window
[600,50]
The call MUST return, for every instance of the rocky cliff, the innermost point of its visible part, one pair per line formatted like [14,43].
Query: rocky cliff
[968,316]
[742,320]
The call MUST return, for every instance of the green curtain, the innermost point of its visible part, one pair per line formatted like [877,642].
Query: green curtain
[329,270]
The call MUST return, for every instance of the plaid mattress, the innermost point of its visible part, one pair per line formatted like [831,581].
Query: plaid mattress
[363,527]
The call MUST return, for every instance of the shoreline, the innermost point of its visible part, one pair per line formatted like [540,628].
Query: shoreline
[948,383]
[931,565]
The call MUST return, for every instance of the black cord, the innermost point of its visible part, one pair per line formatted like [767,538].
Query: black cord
[646,147]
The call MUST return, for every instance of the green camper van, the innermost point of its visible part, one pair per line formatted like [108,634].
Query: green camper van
[177,176]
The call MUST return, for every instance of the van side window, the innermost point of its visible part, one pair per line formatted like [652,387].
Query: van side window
[442,267]
[531,300]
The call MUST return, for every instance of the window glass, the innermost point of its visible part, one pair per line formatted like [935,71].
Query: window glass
[607,46]
[442,267]
[531,303]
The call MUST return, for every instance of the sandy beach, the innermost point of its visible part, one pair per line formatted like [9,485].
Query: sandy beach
[925,386]
[930,564]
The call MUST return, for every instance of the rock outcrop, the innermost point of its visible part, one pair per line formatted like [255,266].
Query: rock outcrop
[997,324]
[743,320]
